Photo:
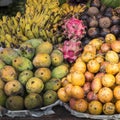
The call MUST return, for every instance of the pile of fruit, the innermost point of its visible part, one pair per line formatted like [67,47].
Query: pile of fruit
[30,76]
[67,50]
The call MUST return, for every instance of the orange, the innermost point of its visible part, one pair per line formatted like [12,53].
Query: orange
[116,92]
[62,95]
[68,89]
[117,106]
[77,92]
[95,107]
[117,78]
[77,78]
[109,38]
[105,95]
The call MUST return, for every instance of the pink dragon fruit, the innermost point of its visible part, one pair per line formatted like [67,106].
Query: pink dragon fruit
[74,28]
[71,49]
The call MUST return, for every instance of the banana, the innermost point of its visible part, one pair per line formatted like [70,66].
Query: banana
[43,2]
[19,30]
[5,28]
[57,18]
[2,32]
[21,37]
[71,7]
[4,19]
[43,34]
[8,38]
[53,5]
[22,23]
[75,10]
[18,15]
[35,30]
[15,22]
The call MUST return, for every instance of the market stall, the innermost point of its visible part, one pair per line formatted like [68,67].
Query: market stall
[60,53]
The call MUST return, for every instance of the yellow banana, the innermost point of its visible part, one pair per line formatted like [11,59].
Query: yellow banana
[75,10]
[22,23]
[5,28]
[19,30]
[43,34]
[43,2]
[21,37]
[35,30]
[53,5]
[18,15]
[71,7]
[4,19]
[15,22]
[57,18]
[8,38]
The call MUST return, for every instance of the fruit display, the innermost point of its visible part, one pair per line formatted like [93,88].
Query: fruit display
[31,75]
[40,20]
[66,50]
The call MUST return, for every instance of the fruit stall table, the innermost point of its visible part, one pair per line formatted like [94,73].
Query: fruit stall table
[60,59]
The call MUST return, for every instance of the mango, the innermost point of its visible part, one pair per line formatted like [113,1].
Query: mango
[14,87]
[60,71]
[44,47]
[15,103]
[49,97]
[24,76]
[3,98]
[57,57]
[8,54]
[34,85]
[8,73]
[43,73]
[53,84]
[27,50]
[2,64]
[33,100]
[34,42]
[42,60]
[22,63]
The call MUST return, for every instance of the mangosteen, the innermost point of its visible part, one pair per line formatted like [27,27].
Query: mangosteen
[96,3]
[115,20]
[85,40]
[84,17]
[108,12]
[104,32]
[115,29]
[99,16]
[93,22]
[105,22]
[93,32]
[102,8]
[93,11]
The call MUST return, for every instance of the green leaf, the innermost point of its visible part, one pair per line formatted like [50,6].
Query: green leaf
[62,1]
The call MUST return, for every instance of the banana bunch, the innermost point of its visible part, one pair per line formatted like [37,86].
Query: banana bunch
[72,9]
[42,19]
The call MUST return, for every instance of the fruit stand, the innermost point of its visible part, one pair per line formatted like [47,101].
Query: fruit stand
[60,59]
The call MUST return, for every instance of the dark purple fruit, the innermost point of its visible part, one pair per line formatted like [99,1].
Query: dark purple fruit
[93,32]
[93,11]
[105,22]
[108,12]
[104,32]
[93,22]
[115,29]
[115,20]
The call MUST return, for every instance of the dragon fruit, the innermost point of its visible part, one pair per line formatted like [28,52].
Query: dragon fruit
[74,29]
[71,49]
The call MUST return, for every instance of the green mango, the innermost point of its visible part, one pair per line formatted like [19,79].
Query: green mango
[53,84]
[22,63]
[33,100]
[34,42]
[60,71]
[15,103]
[24,76]
[8,54]
[49,97]
[57,57]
